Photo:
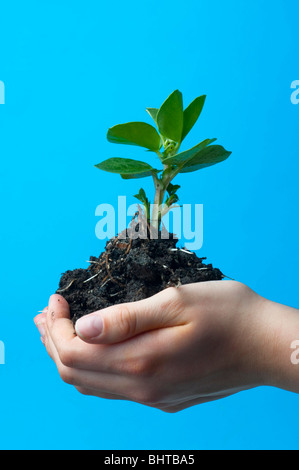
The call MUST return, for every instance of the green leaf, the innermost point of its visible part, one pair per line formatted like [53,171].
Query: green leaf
[126,167]
[173,199]
[135,176]
[182,157]
[172,196]
[172,188]
[135,133]
[141,195]
[170,118]
[207,157]
[153,113]
[192,113]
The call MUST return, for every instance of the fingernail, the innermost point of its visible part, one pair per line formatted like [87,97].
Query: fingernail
[89,327]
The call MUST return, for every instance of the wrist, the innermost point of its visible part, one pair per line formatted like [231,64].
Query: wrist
[279,330]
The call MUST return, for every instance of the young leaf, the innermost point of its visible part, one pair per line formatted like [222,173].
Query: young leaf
[207,157]
[135,133]
[192,113]
[172,188]
[126,167]
[170,118]
[141,196]
[173,199]
[153,113]
[182,157]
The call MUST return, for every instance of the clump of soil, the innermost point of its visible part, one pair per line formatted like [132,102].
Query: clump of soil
[130,270]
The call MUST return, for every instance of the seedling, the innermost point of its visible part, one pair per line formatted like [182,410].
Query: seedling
[131,269]
[173,124]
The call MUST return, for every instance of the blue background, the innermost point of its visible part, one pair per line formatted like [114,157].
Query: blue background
[71,71]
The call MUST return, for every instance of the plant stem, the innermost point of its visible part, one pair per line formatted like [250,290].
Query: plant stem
[161,185]
[158,201]
[160,155]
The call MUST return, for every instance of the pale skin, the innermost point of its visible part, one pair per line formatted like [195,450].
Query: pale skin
[182,347]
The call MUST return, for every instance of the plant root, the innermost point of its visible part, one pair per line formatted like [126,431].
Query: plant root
[67,287]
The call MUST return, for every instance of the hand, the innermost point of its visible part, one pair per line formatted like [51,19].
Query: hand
[181,347]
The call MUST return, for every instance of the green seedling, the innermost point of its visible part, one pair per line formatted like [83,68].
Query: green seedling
[173,124]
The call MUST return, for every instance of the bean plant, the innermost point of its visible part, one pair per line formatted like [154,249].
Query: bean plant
[173,124]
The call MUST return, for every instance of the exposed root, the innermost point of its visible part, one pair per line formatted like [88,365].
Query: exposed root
[129,246]
[67,287]
[97,274]
[183,250]
[117,293]
[227,277]
[108,279]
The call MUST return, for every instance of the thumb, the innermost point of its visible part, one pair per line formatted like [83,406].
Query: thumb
[120,322]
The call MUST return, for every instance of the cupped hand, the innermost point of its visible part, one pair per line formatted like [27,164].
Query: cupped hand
[184,346]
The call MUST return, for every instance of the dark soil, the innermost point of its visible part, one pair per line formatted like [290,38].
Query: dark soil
[130,270]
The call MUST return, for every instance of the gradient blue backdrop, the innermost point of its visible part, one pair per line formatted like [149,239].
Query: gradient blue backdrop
[72,70]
